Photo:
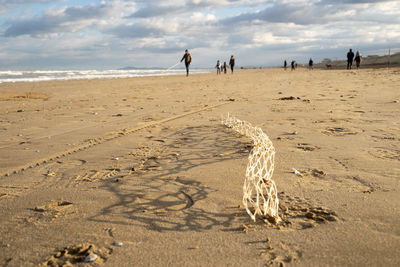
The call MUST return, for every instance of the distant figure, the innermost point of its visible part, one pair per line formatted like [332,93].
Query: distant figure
[218,66]
[188,59]
[232,63]
[310,64]
[293,65]
[350,56]
[285,64]
[357,59]
[225,66]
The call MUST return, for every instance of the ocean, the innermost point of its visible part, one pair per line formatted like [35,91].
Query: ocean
[43,75]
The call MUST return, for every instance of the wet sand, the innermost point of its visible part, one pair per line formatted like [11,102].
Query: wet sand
[146,162]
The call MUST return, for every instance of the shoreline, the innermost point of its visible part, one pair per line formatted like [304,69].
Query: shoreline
[318,66]
[90,74]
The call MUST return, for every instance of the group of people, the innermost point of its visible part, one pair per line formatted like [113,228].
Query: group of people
[188,60]
[351,58]
[293,65]
[223,67]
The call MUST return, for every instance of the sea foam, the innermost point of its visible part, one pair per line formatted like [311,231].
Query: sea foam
[52,75]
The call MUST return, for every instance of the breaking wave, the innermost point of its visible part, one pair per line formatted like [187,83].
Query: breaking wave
[40,75]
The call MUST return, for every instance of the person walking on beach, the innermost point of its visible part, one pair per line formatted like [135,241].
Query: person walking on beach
[224,67]
[218,66]
[310,64]
[188,59]
[350,56]
[285,64]
[232,63]
[357,59]
[293,65]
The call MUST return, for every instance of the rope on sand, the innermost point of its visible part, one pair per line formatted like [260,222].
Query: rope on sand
[260,195]
[99,140]
[173,66]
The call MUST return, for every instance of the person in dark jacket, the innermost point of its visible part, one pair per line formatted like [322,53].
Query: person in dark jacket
[357,59]
[232,63]
[310,64]
[285,64]
[188,59]
[350,57]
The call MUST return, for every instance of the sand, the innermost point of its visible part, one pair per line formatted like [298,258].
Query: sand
[146,163]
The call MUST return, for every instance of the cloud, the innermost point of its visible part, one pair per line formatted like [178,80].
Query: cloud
[161,8]
[8,3]
[259,32]
[323,12]
[152,11]
[8,6]
[67,19]
[137,30]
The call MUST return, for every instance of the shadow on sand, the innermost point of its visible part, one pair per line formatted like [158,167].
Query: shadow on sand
[159,196]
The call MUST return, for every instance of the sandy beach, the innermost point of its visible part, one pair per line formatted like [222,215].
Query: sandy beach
[140,171]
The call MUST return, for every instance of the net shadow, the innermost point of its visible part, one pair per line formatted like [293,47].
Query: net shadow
[159,196]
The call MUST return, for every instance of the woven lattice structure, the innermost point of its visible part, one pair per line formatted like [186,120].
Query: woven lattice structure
[259,190]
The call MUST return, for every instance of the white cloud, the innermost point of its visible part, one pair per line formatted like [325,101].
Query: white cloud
[117,32]
[268,38]
[68,19]
[199,17]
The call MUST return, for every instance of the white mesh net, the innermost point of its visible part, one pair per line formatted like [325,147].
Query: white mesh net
[259,191]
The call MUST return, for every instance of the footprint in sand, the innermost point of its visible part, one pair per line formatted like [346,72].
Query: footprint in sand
[150,163]
[388,137]
[96,175]
[312,172]
[77,254]
[13,190]
[299,214]
[53,205]
[51,212]
[340,131]
[281,253]
[306,147]
[363,185]
[385,153]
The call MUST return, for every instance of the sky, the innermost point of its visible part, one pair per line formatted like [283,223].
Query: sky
[89,34]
